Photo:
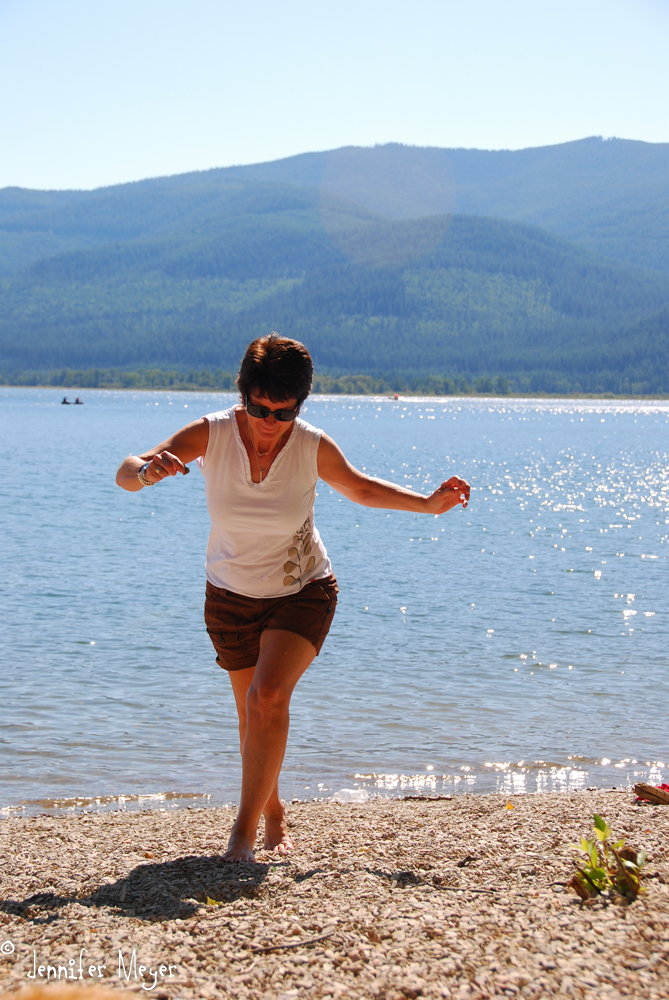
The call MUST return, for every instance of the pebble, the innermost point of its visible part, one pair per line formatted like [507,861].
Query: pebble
[431,899]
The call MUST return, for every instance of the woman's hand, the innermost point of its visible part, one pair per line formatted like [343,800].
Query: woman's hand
[164,464]
[448,495]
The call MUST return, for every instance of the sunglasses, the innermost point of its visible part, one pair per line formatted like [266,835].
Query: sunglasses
[262,412]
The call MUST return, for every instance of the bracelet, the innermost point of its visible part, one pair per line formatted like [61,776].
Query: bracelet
[141,476]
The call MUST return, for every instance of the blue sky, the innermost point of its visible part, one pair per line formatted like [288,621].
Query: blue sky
[96,92]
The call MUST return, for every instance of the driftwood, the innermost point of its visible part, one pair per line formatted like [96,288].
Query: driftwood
[462,888]
[427,798]
[650,793]
[293,944]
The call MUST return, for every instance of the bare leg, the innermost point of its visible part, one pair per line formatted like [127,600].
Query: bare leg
[277,837]
[284,657]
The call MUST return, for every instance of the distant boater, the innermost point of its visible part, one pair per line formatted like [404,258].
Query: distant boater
[65,401]
[271,593]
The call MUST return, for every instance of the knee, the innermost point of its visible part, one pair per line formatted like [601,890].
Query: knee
[266,701]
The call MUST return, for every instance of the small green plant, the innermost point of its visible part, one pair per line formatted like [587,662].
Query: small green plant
[611,868]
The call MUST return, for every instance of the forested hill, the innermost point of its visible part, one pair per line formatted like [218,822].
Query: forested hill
[609,196]
[185,271]
[36,225]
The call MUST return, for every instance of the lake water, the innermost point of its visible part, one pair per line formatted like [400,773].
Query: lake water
[519,645]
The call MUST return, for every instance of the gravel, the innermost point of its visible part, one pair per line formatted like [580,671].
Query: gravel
[461,897]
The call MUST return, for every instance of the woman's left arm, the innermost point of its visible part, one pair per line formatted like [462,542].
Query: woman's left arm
[338,473]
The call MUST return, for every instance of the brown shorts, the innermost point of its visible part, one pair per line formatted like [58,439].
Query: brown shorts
[235,623]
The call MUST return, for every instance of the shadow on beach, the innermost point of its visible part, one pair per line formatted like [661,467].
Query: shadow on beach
[162,891]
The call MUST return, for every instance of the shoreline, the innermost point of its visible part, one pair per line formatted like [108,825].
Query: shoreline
[149,802]
[391,899]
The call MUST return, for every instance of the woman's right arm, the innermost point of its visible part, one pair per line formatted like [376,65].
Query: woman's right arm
[168,458]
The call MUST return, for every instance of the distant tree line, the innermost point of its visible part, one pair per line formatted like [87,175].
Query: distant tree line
[404,383]
[116,378]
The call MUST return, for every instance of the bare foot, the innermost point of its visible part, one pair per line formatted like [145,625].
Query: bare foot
[240,848]
[277,837]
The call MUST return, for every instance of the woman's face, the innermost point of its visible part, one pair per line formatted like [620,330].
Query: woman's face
[269,429]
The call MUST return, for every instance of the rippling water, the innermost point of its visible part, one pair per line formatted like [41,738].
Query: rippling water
[519,645]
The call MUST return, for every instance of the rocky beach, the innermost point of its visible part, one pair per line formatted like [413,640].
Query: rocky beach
[463,897]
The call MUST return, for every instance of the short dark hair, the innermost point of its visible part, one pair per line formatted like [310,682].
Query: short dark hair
[277,367]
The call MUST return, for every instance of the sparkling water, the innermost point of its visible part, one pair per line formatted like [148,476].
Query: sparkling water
[518,645]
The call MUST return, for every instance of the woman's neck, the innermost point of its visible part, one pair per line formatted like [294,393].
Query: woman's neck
[261,453]
[264,446]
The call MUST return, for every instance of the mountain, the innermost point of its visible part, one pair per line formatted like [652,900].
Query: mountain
[609,196]
[466,263]
[37,225]
[186,271]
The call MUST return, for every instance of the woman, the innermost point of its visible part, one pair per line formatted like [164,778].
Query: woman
[271,594]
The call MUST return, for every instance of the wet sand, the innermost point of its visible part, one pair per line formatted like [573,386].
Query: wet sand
[390,899]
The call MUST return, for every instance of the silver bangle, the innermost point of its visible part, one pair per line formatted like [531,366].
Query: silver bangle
[142,478]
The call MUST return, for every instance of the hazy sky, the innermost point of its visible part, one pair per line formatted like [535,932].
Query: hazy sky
[96,92]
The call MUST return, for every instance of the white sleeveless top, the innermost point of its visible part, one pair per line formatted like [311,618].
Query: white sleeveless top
[262,542]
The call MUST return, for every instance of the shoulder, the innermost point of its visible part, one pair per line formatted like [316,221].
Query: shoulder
[221,416]
[307,430]
[221,426]
[307,444]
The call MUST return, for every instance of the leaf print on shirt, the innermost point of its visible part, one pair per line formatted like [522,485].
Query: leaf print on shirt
[300,559]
